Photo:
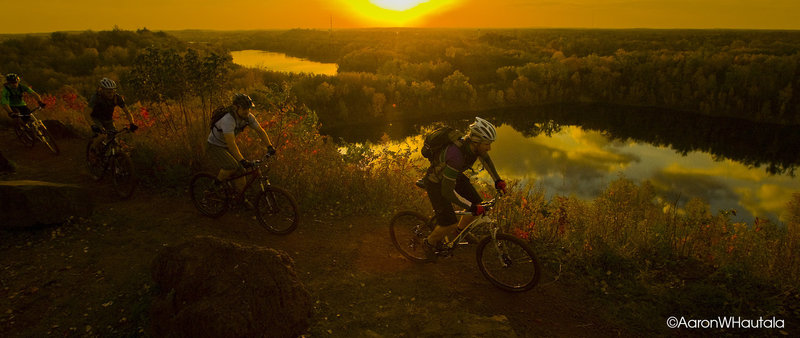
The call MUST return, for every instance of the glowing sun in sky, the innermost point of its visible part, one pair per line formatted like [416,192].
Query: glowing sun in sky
[396,12]
[397,5]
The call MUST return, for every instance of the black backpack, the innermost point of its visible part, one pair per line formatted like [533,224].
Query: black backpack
[438,139]
[218,114]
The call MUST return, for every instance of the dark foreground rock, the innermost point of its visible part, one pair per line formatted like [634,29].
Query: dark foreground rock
[210,287]
[29,203]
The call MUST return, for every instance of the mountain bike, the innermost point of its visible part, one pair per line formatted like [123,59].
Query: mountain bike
[275,209]
[112,156]
[34,129]
[505,260]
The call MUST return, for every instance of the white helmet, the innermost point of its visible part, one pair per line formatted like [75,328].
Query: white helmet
[107,83]
[482,130]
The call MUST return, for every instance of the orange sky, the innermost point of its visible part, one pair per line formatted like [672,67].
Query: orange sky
[56,15]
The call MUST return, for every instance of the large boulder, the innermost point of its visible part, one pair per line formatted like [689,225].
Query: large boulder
[59,130]
[210,287]
[5,165]
[31,203]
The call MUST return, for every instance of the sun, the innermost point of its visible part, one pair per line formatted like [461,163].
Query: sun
[397,5]
[394,13]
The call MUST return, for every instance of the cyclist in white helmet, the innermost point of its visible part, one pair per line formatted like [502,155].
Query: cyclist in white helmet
[101,110]
[447,185]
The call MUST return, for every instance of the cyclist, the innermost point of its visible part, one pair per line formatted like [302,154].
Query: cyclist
[12,101]
[222,149]
[446,183]
[101,110]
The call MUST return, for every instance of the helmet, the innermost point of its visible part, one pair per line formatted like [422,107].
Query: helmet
[243,101]
[107,83]
[482,130]
[12,78]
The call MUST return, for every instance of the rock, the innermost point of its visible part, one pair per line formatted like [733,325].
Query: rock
[210,287]
[59,130]
[30,203]
[5,165]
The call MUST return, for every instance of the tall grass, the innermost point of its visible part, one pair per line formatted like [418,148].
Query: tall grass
[645,257]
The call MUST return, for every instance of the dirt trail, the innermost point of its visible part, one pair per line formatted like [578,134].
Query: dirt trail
[92,277]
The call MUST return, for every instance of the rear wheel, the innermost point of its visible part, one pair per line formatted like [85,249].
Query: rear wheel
[23,133]
[408,229]
[208,196]
[277,211]
[509,263]
[123,175]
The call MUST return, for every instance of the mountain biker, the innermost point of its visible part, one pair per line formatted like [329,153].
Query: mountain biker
[101,110]
[222,149]
[446,183]
[11,99]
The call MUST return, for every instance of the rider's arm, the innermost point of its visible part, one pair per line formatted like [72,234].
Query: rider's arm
[487,163]
[260,131]
[128,114]
[35,94]
[230,141]
[5,101]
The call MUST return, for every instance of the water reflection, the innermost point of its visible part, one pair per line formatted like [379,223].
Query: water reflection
[281,63]
[731,164]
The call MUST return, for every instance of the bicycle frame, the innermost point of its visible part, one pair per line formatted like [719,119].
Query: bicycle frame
[252,175]
[478,221]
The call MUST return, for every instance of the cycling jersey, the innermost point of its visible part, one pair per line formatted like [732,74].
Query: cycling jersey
[230,124]
[103,107]
[447,185]
[13,96]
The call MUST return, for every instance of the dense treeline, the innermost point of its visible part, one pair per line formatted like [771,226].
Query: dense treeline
[77,60]
[389,72]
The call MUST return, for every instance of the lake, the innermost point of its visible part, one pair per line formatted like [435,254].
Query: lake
[281,62]
[729,163]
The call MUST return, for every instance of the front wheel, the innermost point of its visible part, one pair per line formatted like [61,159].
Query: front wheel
[94,162]
[277,211]
[509,263]
[408,229]
[123,176]
[208,195]
[47,139]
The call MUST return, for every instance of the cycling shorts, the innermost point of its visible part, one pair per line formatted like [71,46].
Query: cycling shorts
[445,214]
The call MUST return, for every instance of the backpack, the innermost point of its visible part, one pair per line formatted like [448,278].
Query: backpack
[437,140]
[218,114]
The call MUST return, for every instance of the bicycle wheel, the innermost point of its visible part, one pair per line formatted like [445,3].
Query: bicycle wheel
[94,162]
[24,133]
[276,211]
[208,196]
[47,138]
[407,230]
[123,176]
[509,263]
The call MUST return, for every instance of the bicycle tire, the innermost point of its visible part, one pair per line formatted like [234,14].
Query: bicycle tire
[48,139]
[277,211]
[94,163]
[24,134]
[123,176]
[207,196]
[407,229]
[515,269]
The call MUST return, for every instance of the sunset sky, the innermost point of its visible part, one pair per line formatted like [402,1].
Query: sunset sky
[59,15]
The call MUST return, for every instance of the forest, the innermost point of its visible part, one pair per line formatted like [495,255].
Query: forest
[390,74]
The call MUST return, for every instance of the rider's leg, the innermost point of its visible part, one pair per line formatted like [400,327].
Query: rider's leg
[105,125]
[227,163]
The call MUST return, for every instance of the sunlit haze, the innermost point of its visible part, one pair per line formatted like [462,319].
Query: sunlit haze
[52,15]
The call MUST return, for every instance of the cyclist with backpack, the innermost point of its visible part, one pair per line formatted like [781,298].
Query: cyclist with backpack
[445,181]
[101,111]
[11,98]
[222,150]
